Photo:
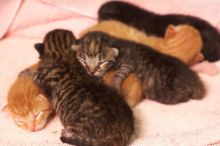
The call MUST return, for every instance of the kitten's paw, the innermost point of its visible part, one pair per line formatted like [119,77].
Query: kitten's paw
[116,84]
[66,133]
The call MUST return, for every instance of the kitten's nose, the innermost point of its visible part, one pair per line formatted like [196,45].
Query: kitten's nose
[92,70]
[31,127]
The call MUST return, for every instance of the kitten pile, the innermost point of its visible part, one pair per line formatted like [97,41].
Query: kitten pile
[92,83]
[92,113]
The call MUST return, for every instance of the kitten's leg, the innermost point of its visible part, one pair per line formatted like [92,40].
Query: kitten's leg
[66,133]
[120,74]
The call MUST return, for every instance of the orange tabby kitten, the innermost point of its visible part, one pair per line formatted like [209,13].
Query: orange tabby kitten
[131,88]
[182,41]
[27,106]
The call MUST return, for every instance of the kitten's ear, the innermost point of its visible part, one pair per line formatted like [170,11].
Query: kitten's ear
[42,97]
[170,31]
[115,51]
[40,49]
[5,108]
[5,111]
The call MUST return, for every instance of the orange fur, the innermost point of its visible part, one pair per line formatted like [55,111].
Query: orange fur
[182,41]
[27,106]
[131,88]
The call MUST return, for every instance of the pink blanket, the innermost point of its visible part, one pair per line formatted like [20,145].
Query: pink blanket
[23,23]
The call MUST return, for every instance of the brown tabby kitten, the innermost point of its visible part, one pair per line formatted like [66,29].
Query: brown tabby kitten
[27,106]
[181,41]
[92,113]
[164,78]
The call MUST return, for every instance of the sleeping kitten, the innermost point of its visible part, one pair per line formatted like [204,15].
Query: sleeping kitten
[181,41]
[92,113]
[164,78]
[156,24]
[27,106]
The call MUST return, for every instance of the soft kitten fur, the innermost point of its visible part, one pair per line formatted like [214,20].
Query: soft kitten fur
[164,78]
[181,41]
[131,87]
[27,106]
[156,24]
[92,113]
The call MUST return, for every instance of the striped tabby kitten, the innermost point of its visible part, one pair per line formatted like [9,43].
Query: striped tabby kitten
[92,113]
[164,78]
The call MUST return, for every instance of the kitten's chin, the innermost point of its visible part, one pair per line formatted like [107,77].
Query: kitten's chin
[98,74]
[40,126]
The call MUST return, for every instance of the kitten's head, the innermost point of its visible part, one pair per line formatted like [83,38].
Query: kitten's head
[27,106]
[93,53]
[183,32]
[57,43]
[185,37]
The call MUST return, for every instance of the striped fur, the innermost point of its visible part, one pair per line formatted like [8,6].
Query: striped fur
[164,78]
[92,113]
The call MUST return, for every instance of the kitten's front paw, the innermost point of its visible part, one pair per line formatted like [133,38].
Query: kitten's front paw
[116,84]
[66,133]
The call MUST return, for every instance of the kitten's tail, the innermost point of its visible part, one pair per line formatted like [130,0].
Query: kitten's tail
[82,141]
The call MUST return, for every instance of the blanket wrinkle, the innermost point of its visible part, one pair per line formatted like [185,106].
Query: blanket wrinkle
[8,12]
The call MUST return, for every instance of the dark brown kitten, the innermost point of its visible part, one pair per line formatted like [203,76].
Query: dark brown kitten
[164,78]
[92,113]
[156,24]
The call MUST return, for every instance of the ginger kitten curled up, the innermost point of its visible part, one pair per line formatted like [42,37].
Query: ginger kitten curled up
[181,41]
[163,78]
[27,106]
[92,113]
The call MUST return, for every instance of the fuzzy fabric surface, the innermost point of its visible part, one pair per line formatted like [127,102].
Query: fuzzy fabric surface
[23,23]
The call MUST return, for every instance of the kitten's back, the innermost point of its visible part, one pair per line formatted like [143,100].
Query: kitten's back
[183,42]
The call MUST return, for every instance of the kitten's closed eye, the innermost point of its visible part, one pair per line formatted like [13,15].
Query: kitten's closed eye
[96,67]
[33,121]
[38,115]
[18,121]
